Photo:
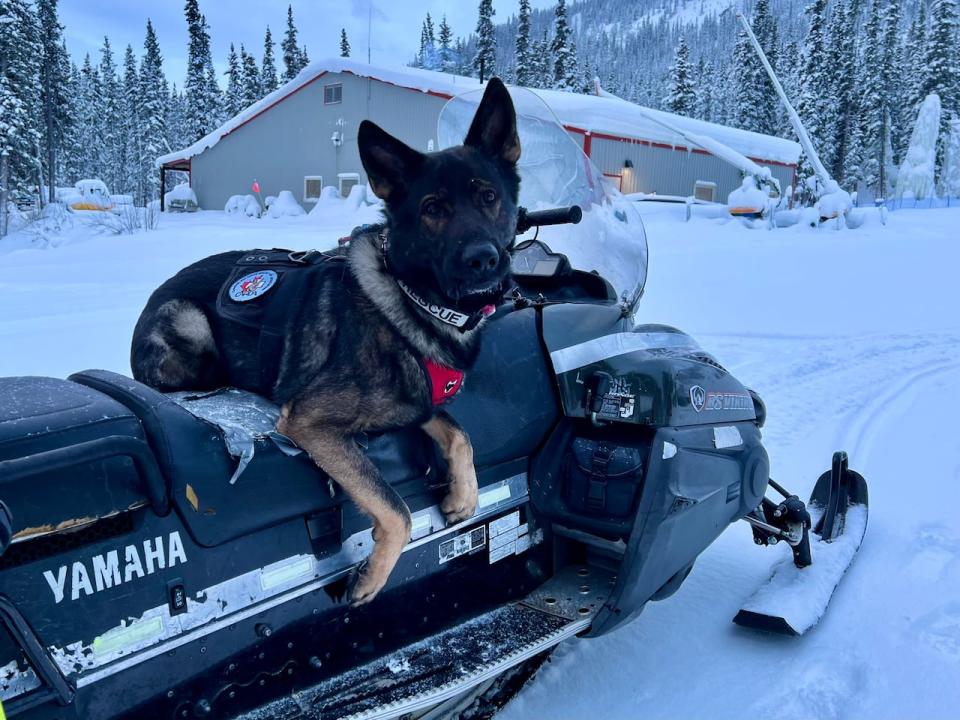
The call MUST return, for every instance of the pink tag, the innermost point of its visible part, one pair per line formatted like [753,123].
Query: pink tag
[488,310]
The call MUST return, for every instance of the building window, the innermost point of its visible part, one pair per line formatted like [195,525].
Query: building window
[703,190]
[347,181]
[312,185]
[332,94]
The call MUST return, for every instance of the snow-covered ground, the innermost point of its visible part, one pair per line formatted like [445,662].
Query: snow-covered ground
[852,338]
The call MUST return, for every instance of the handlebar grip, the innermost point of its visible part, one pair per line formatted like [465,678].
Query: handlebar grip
[555,216]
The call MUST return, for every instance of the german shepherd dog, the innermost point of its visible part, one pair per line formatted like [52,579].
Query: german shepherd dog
[356,353]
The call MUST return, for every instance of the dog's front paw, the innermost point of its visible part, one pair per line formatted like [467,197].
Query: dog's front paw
[461,502]
[366,586]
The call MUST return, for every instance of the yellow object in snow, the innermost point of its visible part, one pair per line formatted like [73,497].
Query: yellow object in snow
[746,212]
[88,206]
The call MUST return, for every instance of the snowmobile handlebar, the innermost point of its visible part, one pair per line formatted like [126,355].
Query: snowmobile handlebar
[554,216]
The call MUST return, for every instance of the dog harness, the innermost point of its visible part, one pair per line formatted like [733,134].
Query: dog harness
[255,305]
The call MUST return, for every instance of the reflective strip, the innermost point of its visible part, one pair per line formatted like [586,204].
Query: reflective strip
[122,638]
[283,572]
[601,348]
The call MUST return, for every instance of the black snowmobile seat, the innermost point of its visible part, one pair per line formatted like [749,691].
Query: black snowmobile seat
[70,455]
[273,488]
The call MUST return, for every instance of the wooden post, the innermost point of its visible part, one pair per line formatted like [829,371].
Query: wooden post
[163,186]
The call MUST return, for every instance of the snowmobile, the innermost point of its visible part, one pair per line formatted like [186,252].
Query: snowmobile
[170,556]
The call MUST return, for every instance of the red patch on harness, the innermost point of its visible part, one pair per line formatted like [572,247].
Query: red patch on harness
[444,382]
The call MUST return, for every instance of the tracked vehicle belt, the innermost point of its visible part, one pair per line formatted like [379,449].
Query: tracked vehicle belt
[263,292]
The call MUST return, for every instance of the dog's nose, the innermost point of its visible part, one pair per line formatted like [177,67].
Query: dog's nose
[481,257]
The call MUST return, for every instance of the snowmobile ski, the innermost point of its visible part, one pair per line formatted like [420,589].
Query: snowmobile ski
[799,590]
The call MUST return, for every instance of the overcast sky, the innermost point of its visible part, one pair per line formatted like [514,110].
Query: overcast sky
[395,35]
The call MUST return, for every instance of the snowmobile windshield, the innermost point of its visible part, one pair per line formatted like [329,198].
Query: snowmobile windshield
[555,173]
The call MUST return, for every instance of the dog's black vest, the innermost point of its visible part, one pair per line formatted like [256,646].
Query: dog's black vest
[264,290]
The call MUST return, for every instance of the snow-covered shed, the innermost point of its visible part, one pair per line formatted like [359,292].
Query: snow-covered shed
[303,136]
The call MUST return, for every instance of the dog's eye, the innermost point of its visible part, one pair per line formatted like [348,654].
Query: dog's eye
[432,208]
[488,197]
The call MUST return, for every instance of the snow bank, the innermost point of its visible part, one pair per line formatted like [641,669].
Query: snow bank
[585,112]
[243,205]
[285,206]
[915,178]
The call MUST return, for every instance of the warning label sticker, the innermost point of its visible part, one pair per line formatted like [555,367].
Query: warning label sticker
[462,544]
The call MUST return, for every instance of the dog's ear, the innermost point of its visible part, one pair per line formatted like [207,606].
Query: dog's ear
[494,127]
[388,161]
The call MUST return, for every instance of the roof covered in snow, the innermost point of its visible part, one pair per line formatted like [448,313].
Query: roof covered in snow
[588,113]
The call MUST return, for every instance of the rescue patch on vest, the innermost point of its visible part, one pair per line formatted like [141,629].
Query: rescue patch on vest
[253,285]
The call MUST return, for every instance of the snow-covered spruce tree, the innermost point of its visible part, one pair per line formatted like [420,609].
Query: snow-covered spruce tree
[682,97]
[756,102]
[943,68]
[484,62]
[19,102]
[201,96]
[88,116]
[950,173]
[703,108]
[842,66]
[428,57]
[745,85]
[129,152]
[523,74]
[344,43]
[444,38]
[462,62]
[251,91]
[813,103]
[294,58]
[894,81]
[788,71]
[268,71]
[543,75]
[914,72]
[153,131]
[233,94]
[110,131]
[175,119]
[72,150]
[562,51]
[916,175]
[54,77]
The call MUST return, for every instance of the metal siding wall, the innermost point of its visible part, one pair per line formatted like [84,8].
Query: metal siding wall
[292,139]
[663,170]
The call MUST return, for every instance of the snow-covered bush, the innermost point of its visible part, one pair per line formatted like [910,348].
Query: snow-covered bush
[269,200]
[243,205]
[915,178]
[285,206]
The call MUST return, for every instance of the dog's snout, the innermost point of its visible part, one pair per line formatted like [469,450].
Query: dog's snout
[481,257]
